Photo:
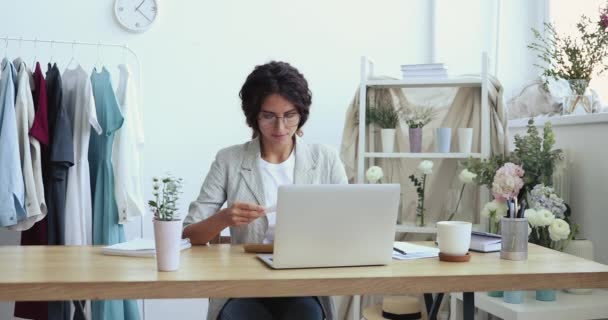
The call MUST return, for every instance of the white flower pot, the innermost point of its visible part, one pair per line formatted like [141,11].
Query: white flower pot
[167,237]
[443,140]
[388,140]
[465,140]
[582,249]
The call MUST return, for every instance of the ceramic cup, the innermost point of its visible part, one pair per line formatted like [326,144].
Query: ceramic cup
[454,237]
[443,140]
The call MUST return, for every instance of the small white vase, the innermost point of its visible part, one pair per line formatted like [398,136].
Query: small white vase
[465,140]
[443,140]
[167,237]
[582,249]
[388,140]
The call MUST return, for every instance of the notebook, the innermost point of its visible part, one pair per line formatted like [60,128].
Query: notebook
[138,248]
[485,242]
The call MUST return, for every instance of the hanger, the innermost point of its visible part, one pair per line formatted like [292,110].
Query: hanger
[52,51]
[35,51]
[124,54]
[71,59]
[99,62]
[6,48]
[20,42]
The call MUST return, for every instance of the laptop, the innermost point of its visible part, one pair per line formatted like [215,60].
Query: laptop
[334,225]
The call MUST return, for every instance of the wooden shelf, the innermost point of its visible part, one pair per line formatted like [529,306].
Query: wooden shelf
[452,155]
[426,82]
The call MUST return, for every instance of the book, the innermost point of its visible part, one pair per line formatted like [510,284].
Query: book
[138,248]
[485,242]
[423,66]
[410,251]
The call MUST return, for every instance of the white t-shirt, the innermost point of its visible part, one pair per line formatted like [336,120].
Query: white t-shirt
[273,176]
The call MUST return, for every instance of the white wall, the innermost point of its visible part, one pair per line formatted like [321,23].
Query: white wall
[585,146]
[196,58]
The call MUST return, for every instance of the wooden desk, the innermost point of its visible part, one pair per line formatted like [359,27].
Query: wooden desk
[69,273]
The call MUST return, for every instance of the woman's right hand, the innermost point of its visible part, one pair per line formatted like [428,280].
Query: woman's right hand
[242,213]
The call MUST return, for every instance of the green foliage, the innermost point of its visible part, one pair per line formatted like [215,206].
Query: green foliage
[166,193]
[485,169]
[570,58]
[536,155]
[419,116]
[420,186]
[385,117]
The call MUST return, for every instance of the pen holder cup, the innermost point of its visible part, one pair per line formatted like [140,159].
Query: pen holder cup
[514,244]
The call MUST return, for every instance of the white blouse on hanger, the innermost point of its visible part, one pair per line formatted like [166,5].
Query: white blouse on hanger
[29,150]
[127,149]
[80,106]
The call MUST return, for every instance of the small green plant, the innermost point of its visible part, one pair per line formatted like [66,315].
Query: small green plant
[385,117]
[573,58]
[166,192]
[536,155]
[419,116]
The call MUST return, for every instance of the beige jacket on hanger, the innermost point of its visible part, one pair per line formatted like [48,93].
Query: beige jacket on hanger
[458,108]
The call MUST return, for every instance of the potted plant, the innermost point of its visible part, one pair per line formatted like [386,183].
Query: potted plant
[549,219]
[416,118]
[387,119]
[167,223]
[574,59]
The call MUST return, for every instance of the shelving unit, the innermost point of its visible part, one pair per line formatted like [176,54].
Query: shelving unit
[367,81]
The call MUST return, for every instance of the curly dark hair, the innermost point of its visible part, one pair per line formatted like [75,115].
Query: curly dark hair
[274,77]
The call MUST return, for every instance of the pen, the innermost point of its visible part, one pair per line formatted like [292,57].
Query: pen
[399,250]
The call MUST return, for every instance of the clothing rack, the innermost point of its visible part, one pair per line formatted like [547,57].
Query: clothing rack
[99,45]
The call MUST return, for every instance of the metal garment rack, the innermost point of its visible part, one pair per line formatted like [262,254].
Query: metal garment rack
[99,45]
[87,44]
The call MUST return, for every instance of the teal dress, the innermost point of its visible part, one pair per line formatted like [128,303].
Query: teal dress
[106,230]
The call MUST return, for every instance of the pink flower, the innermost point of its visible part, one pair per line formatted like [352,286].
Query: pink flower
[604,20]
[507,181]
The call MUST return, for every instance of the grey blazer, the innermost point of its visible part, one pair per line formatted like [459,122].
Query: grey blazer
[234,176]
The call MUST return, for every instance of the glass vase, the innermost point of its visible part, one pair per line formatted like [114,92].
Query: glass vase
[580,101]
[420,220]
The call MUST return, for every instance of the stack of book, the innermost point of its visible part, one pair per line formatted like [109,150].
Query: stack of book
[423,71]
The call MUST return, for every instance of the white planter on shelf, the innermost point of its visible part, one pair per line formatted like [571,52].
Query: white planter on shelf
[443,140]
[167,237]
[465,140]
[388,140]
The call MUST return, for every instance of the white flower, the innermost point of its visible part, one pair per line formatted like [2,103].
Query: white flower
[559,230]
[426,167]
[529,230]
[533,217]
[374,174]
[466,176]
[545,217]
[494,207]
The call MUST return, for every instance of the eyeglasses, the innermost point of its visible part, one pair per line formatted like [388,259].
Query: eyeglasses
[269,119]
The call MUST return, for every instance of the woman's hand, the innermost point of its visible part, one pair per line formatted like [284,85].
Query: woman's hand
[241,213]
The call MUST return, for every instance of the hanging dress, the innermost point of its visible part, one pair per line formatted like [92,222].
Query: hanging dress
[60,159]
[106,229]
[12,189]
[80,106]
[29,149]
[126,155]
[37,235]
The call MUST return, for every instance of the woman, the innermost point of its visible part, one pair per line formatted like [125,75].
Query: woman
[276,101]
